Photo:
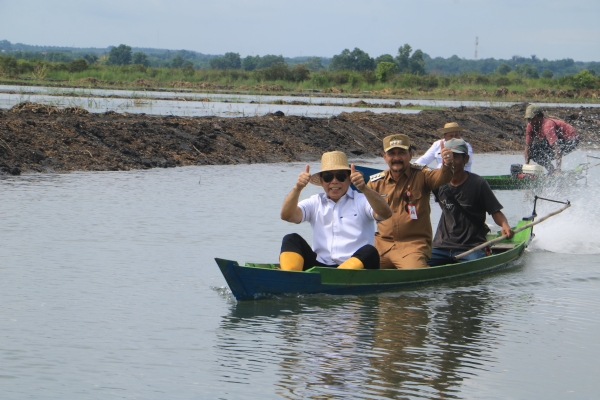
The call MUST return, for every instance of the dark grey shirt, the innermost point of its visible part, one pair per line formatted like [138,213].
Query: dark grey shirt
[455,230]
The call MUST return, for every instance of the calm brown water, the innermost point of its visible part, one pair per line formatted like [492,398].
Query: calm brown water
[109,290]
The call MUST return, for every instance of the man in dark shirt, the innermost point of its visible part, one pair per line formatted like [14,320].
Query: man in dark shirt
[464,202]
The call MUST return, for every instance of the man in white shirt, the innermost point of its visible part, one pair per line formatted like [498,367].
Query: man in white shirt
[451,130]
[342,220]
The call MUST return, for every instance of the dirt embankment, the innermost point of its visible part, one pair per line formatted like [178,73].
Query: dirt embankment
[36,138]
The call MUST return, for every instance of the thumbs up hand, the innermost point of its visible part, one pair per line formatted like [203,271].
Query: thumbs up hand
[303,178]
[356,178]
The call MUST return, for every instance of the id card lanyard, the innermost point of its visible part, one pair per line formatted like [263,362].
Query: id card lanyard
[410,207]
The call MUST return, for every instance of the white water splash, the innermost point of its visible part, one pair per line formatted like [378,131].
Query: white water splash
[577,229]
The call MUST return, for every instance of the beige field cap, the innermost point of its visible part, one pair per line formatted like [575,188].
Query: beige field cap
[392,141]
[451,127]
[331,161]
[532,110]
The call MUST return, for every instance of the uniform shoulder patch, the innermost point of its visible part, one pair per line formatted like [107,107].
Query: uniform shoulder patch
[418,166]
[376,177]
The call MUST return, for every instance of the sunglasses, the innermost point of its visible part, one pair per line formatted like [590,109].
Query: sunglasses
[328,176]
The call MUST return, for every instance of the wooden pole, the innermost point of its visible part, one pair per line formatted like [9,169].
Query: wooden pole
[501,238]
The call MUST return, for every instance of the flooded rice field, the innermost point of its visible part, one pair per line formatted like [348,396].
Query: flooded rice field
[185,103]
[109,290]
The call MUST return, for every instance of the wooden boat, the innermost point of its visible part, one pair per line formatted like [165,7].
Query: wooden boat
[253,280]
[507,182]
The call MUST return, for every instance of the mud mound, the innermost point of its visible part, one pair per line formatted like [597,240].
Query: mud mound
[144,83]
[269,88]
[88,81]
[40,138]
[29,107]
[182,84]
[205,85]
[333,90]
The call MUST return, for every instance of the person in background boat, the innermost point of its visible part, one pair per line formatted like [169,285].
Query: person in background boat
[342,220]
[547,139]
[464,202]
[451,130]
[404,241]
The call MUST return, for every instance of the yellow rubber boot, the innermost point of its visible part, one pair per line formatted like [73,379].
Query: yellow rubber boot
[290,261]
[352,263]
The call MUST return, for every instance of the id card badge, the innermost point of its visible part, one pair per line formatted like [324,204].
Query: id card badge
[410,207]
[412,211]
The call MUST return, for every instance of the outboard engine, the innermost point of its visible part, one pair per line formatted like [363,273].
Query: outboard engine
[515,170]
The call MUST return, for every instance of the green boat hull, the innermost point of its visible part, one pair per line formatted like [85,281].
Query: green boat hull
[507,182]
[254,281]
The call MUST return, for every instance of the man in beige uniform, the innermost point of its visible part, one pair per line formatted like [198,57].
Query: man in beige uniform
[404,241]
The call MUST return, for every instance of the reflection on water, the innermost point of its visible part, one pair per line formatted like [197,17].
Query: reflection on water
[109,290]
[391,346]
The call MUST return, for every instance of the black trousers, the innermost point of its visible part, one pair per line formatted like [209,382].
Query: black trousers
[542,153]
[295,243]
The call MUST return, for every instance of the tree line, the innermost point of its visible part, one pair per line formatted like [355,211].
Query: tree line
[405,61]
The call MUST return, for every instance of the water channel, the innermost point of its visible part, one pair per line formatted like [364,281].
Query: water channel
[109,291]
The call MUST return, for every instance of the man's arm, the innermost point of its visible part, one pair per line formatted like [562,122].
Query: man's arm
[429,155]
[526,154]
[290,211]
[380,207]
[500,220]
[441,176]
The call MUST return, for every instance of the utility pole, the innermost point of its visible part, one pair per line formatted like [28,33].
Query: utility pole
[476,44]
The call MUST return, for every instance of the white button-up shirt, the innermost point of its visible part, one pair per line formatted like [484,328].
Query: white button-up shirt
[339,229]
[435,153]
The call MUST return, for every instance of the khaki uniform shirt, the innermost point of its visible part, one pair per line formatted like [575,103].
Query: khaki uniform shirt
[408,235]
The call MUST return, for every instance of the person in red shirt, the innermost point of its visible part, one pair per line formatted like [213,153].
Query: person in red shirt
[547,139]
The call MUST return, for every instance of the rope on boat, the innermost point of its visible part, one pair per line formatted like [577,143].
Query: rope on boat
[501,238]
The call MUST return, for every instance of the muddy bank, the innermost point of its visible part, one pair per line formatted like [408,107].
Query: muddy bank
[36,138]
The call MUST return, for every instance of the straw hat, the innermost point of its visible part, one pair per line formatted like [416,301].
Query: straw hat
[532,110]
[451,127]
[392,141]
[331,161]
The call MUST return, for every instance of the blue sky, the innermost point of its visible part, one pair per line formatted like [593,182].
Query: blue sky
[551,29]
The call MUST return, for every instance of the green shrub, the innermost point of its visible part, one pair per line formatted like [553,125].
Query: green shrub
[369,77]
[584,80]
[340,78]
[8,65]
[503,69]
[320,80]
[300,73]
[276,72]
[502,81]
[547,74]
[355,79]
[78,65]
[384,70]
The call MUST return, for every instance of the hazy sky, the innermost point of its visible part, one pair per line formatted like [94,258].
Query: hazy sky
[550,29]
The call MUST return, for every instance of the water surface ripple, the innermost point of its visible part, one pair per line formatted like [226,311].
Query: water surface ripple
[109,290]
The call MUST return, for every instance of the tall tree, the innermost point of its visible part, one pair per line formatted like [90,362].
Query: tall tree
[228,61]
[355,60]
[268,60]
[249,63]
[141,58]
[407,63]
[120,55]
